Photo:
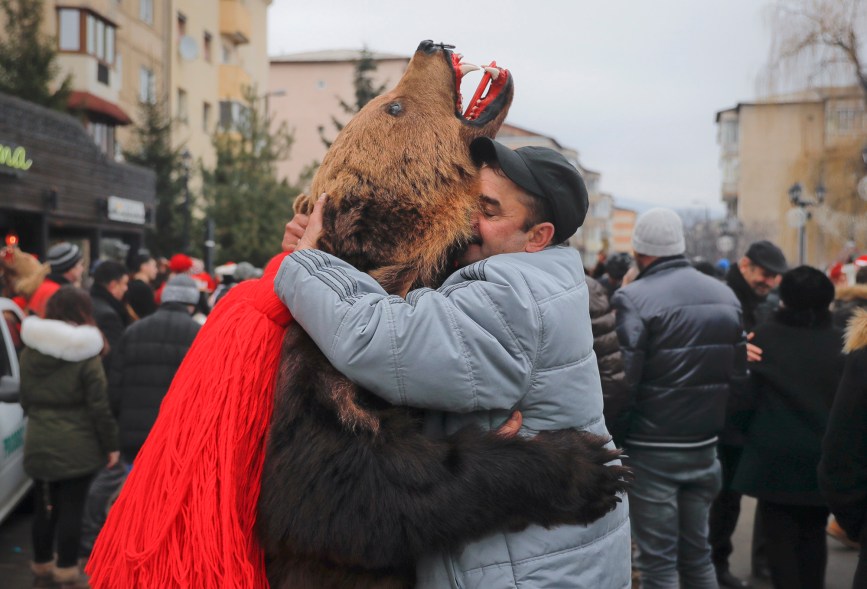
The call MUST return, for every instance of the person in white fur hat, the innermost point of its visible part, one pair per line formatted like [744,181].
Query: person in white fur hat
[683,345]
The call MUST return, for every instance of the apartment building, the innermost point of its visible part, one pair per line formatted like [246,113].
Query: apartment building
[813,140]
[195,56]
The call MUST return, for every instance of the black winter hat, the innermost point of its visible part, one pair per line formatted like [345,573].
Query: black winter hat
[544,173]
[805,288]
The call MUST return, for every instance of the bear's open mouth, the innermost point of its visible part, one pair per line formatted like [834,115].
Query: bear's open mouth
[486,102]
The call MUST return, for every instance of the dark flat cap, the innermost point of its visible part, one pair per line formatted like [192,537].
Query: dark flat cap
[768,256]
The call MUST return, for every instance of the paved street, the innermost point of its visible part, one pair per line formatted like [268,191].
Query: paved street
[15,553]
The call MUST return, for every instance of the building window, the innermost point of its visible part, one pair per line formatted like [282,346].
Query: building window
[103,135]
[183,115]
[146,88]
[70,30]
[232,114]
[146,11]
[226,54]
[206,117]
[848,120]
[182,24]
[206,46]
[100,39]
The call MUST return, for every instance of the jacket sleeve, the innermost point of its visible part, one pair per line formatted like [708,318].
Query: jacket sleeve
[843,467]
[615,390]
[96,400]
[115,377]
[451,350]
[633,336]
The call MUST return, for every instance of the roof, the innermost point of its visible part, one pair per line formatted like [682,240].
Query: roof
[810,96]
[335,55]
[92,103]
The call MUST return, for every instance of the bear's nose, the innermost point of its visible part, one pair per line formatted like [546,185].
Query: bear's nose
[428,46]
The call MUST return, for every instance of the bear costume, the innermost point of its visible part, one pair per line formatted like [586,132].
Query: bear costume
[351,491]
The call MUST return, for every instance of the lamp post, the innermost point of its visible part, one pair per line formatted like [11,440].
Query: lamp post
[186,163]
[798,217]
[267,95]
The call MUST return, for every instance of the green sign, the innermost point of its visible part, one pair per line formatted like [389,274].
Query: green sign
[14,158]
[13,441]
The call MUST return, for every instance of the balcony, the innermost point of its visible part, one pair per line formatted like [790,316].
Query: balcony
[232,80]
[235,21]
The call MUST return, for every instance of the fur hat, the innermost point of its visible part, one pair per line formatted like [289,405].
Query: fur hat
[63,256]
[806,288]
[658,232]
[180,289]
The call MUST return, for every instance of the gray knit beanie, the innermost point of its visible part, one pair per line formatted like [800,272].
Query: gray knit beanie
[658,232]
[180,289]
[63,256]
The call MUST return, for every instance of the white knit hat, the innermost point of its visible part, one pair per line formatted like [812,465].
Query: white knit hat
[658,232]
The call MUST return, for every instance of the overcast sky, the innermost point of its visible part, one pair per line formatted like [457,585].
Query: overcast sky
[633,85]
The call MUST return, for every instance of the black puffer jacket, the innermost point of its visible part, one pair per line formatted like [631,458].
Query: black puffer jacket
[607,350]
[144,364]
[683,343]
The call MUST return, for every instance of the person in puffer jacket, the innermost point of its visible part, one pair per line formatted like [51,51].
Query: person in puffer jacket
[71,433]
[608,356]
[509,331]
[683,343]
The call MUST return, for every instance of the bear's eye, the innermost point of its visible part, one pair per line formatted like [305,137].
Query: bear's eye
[394,109]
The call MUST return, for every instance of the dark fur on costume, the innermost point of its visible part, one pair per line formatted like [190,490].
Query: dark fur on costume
[352,492]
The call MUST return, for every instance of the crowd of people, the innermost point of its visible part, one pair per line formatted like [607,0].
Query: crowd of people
[95,365]
[714,386]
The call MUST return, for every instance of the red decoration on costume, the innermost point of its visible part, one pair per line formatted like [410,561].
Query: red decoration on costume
[186,513]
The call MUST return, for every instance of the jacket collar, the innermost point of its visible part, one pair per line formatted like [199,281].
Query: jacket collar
[61,340]
[662,264]
[741,288]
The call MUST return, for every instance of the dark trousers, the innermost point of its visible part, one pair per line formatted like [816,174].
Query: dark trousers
[860,580]
[796,549]
[59,506]
[724,513]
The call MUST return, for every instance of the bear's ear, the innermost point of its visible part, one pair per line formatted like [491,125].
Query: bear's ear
[303,204]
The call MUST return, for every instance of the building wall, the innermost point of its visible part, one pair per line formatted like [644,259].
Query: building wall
[313,91]
[812,142]
[622,226]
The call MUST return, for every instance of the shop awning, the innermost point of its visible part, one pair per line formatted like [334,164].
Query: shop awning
[91,103]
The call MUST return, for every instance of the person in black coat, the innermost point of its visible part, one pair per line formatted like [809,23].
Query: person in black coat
[110,283]
[140,295]
[843,468]
[793,388]
[146,360]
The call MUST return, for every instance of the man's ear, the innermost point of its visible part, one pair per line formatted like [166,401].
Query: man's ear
[540,237]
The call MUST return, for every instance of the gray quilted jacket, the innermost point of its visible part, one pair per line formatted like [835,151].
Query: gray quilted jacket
[509,332]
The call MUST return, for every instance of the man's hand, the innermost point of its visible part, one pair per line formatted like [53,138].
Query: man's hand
[511,427]
[294,231]
[310,238]
[754,352]
[113,458]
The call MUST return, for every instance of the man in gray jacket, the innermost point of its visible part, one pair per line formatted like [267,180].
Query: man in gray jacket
[510,331]
[683,343]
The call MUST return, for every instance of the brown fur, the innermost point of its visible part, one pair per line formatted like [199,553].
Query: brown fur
[21,272]
[352,492]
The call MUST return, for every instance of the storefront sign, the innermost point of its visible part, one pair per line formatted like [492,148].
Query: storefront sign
[126,210]
[14,159]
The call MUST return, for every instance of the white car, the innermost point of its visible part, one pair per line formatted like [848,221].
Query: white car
[14,483]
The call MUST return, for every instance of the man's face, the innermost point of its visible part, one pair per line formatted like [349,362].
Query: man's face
[498,225]
[75,273]
[760,280]
[149,269]
[118,287]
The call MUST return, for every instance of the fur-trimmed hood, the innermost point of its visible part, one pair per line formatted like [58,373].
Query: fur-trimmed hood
[61,340]
[854,292]
[856,331]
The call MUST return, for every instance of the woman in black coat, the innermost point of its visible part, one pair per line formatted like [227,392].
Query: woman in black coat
[843,469]
[793,388]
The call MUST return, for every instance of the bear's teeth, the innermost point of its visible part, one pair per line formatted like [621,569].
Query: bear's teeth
[495,72]
[468,67]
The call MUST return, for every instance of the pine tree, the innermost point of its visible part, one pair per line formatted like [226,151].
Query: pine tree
[28,58]
[365,91]
[248,204]
[153,149]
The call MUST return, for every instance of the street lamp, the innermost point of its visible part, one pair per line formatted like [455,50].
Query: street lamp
[186,163]
[267,95]
[799,216]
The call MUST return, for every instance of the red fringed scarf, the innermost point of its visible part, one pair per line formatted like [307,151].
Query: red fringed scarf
[186,514]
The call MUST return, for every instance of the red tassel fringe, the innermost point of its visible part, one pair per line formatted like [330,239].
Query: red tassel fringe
[185,516]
